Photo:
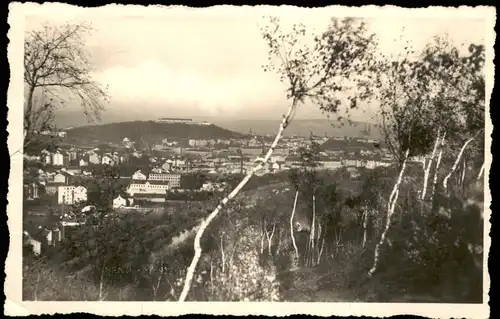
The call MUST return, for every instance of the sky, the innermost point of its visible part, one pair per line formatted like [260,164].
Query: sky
[208,62]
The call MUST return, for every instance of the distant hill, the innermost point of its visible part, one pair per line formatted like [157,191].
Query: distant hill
[299,126]
[303,127]
[147,131]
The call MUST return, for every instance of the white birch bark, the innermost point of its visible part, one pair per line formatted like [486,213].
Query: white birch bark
[365,224]
[262,233]
[270,239]
[102,296]
[481,171]
[457,160]
[427,167]
[464,169]
[197,240]
[291,225]
[223,255]
[390,211]
[321,250]
[438,163]
[313,224]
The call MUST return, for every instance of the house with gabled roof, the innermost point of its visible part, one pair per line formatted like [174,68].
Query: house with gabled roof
[122,200]
[40,238]
[139,175]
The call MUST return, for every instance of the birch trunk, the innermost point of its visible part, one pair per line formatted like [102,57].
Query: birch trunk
[481,171]
[211,276]
[438,163]
[427,167]
[457,160]
[365,224]
[390,211]
[101,285]
[462,177]
[197,245]
[318,238]
[313,224]
[321,250]
[291,225]
[279,242]
[270,240]
[262,242]
[223,255]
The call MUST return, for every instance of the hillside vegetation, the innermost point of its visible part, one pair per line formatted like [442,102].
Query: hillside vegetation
[248,252]
[147,131]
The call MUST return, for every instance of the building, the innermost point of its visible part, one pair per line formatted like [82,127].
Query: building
[256,151]
[83,163]
[122,201]
[32,190]
[326,163]
[52,187]
[58,159]
[94,158]
[181,121]
[80,194]
[174,180]
[198,143]
[139,176]
[61,178]
[41,238]
[71,195]
[107,160]
[147,187]
[47,158]
[73,170]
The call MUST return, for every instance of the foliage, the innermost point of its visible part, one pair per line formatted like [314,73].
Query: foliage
[439,92]
[337,61]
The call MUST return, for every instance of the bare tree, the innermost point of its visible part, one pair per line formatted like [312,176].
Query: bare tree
[57,70]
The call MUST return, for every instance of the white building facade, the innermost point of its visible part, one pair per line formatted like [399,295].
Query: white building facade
[147,187]
[70,195]
[174,180]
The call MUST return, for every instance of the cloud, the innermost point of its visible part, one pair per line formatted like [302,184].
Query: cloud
[155,83]
[207,62]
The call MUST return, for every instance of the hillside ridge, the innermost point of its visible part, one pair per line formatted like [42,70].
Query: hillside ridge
[148,131]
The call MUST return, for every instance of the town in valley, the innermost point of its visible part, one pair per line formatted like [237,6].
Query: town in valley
[153,178]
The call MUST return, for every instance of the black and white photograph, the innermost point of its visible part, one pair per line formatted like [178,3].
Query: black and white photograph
[273,154]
